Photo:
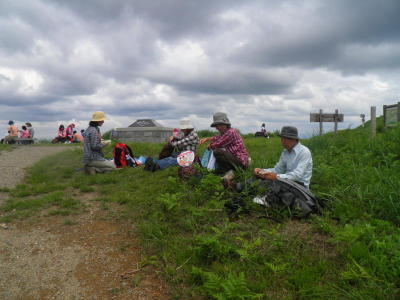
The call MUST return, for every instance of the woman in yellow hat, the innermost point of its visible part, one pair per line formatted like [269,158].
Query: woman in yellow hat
[93,157]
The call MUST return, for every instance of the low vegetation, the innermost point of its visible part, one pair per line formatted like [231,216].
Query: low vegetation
[350,251]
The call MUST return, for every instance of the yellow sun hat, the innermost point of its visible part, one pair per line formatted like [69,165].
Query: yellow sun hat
[98,116]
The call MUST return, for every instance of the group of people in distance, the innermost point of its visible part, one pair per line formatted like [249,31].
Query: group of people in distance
[26,132]
[295,162]
[68,135]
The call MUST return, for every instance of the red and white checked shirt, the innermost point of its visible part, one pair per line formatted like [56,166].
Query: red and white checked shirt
[232,142]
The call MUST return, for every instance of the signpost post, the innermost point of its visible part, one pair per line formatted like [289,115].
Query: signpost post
[320,117]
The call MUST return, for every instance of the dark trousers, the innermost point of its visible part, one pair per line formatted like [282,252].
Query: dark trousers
[227,161]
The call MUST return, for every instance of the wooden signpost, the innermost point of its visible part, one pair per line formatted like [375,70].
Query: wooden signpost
[320,117]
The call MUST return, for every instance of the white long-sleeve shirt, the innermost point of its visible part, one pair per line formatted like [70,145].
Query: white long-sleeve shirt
[295,164]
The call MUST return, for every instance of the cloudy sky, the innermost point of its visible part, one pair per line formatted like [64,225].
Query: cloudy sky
[259,61]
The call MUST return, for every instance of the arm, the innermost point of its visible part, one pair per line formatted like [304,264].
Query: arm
[187,140]
[222,141]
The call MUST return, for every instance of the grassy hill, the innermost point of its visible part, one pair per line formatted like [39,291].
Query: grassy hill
[351,251]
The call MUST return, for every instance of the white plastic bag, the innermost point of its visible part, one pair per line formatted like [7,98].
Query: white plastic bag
[211,162]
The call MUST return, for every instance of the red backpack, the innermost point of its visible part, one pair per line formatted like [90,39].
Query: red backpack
[123,156]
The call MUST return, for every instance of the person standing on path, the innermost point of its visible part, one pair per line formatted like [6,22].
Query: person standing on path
[93,157]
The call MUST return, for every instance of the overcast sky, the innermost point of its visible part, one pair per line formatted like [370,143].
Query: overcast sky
[258,61]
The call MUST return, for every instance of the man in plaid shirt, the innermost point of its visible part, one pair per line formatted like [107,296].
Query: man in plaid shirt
[228,147]
[186,142]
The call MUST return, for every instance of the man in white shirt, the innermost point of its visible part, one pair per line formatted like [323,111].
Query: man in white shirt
[295,162]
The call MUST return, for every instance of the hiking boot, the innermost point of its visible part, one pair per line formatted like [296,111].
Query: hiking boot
[150,165]
[90,170]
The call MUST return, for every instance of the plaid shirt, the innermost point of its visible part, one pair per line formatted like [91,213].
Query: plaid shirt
[187,143]
[232,142]
[92,145]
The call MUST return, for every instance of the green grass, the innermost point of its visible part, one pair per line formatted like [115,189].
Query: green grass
[351,251]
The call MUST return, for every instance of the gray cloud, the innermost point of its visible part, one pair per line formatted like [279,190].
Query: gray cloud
[256,60]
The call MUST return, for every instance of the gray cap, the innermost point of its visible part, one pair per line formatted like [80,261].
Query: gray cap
[220,118]
[289,132]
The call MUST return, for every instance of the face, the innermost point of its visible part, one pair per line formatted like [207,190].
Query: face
[100,123]
[186,131]
[221,128]
[288,143]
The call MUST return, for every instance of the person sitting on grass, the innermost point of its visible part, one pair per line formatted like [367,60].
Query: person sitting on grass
[295,162]
[228,148]
[60,138]
[69,132]
[24,133]
[77,138]
[12,133]
[93,157]
[30,129]
[186,142]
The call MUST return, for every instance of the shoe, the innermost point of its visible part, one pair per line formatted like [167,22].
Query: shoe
[261,200]
[148,164]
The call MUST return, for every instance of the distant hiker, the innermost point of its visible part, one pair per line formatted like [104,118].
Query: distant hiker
[31,130]
[93,157]
[228,147]
[176,144]
[69,132]
[24,133]
[263,132]
[295,162]
[61,137]
[77,137]
[12,133]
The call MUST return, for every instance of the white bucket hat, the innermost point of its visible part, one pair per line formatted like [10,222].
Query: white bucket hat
[185,124]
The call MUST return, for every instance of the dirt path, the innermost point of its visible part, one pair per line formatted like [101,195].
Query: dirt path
[84,256]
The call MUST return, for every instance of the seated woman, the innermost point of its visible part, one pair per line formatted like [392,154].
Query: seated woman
[69,132]
[228,147]
[186,142]
[61,137]
[24,133]
[93,157]
[12,133]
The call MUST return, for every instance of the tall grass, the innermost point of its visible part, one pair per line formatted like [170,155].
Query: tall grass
[351,251]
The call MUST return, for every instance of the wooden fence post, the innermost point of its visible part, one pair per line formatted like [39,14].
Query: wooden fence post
[320,122]
[373,121]
[336,119]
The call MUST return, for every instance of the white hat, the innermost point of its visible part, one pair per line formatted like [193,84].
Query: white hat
[185,124]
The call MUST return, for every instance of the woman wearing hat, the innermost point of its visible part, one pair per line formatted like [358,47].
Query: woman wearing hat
[186,142]
[93,157]
[228,147]
[12,133]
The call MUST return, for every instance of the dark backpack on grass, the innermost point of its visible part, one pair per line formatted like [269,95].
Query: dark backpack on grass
[123,156]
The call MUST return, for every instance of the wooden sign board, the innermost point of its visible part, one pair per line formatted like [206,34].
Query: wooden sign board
[316,117]
[391,114]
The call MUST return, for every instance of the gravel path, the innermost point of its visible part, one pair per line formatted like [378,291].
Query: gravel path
[13,163]
[88,255]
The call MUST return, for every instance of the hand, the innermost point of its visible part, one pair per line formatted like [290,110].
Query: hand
[270,176]
[204,140]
